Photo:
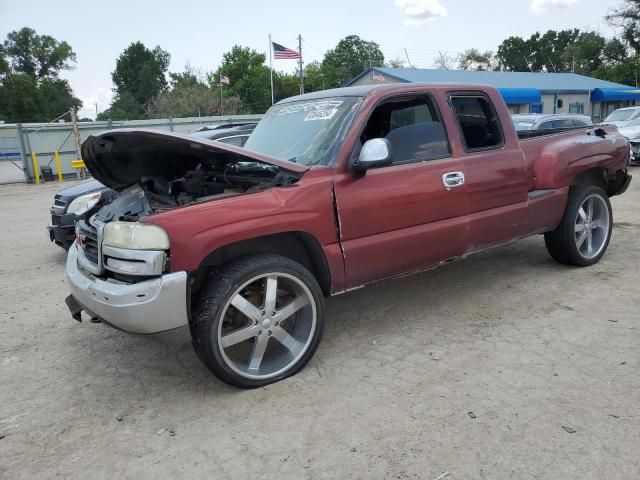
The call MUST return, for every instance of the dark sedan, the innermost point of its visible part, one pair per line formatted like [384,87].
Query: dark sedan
[84,199]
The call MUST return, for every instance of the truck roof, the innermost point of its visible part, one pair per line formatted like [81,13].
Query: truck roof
[366,90]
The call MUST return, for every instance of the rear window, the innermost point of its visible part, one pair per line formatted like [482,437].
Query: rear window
[478,122]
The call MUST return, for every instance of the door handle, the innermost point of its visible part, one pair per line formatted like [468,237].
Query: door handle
[452,179]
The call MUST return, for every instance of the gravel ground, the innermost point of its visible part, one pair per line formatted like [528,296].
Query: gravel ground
[505,366]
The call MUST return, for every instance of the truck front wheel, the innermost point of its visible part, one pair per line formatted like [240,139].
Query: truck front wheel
[585,229]
[259,320]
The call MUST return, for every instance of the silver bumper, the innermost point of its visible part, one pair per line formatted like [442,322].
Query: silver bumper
[151,306]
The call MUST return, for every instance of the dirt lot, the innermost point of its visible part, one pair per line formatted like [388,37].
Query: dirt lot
[506,366]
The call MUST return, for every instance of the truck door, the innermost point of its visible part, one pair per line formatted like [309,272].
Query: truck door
[403,217]
[495,172]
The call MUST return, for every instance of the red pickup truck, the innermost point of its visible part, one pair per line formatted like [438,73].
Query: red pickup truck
[333,190]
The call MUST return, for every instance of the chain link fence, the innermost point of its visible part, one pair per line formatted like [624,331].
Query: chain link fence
[27,148]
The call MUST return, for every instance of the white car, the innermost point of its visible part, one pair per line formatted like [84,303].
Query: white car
[622,117]
[557,121]
[632,132]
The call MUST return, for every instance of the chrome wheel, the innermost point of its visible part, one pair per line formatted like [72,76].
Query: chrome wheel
[267,325]
[592,225]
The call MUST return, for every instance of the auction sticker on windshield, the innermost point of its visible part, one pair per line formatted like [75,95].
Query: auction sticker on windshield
[318,110]
[320,115]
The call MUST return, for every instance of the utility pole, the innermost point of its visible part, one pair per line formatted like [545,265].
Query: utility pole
[96,110]
[220,83]
[271,67]
[407,55]
[301,75]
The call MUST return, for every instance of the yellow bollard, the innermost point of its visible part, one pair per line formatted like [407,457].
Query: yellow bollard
[56,154]
[36,169]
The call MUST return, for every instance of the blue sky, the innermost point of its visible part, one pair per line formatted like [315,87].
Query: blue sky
[199,32]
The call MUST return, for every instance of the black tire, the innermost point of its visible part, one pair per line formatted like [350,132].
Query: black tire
[210,308]
[561,242]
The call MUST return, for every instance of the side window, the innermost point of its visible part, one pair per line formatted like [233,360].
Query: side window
[412,126]
[564,123]
[478,122]
[545,126]
[579,123]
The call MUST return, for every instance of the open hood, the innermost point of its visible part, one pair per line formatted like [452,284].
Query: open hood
[121,158]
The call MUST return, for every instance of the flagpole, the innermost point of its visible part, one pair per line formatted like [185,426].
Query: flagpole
[271,67]
[300,51]
[220,83]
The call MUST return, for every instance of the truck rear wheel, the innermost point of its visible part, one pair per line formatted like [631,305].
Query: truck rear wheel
[259,320]
[585,229]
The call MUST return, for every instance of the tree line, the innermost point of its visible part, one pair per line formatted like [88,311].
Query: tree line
[31,88]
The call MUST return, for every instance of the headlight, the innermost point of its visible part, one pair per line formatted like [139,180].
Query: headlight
[84,203]
[136,236]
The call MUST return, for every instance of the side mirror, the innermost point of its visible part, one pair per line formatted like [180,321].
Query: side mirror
[375,153]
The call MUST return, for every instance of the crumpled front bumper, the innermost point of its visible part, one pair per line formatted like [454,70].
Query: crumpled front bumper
[150,306]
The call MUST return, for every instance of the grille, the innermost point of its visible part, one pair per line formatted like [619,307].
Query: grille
[55,220]
[58,202]
[91,241]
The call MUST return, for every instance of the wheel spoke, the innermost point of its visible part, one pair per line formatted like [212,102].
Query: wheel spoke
[580,227]
[290,308]
[270,295]
[581,238]
[589,243]
[590,210]
[257,352]
[284,338]
[239,335]
[583,215]
[246,307]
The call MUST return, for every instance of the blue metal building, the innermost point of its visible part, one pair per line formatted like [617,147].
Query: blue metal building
[524,92]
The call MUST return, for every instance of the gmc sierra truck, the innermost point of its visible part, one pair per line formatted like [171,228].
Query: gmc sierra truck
[334,190]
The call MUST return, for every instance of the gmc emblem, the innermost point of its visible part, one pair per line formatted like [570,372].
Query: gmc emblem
[81,240]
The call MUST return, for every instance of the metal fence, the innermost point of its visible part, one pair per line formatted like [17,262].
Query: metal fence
[19,142]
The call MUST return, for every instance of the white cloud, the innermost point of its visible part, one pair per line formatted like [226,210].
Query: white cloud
[102,96]
[541,6]
[418,12]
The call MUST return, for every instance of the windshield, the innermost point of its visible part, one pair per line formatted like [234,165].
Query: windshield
[621,115]
[305,132]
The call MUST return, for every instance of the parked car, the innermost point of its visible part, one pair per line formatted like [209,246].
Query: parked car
[632,132]
[83,200]
[334,190]
[534,121]
[622,117]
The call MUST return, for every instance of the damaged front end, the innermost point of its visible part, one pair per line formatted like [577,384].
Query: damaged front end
[119,266]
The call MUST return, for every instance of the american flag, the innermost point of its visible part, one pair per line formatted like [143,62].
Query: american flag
[377,77]
[283,52]
[224,80]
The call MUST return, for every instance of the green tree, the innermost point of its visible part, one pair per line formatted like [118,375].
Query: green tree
[314,79]
[350,57]
[248,77]
[585,54]
[123,107]
[474,59]
[188,96]
[139,76]
[614,52]
[4,63]
[30,87]
[36,55]
[514,54]
[627,18]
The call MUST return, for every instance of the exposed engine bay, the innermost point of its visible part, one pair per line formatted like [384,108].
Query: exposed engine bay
[155,194]
[155,171]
